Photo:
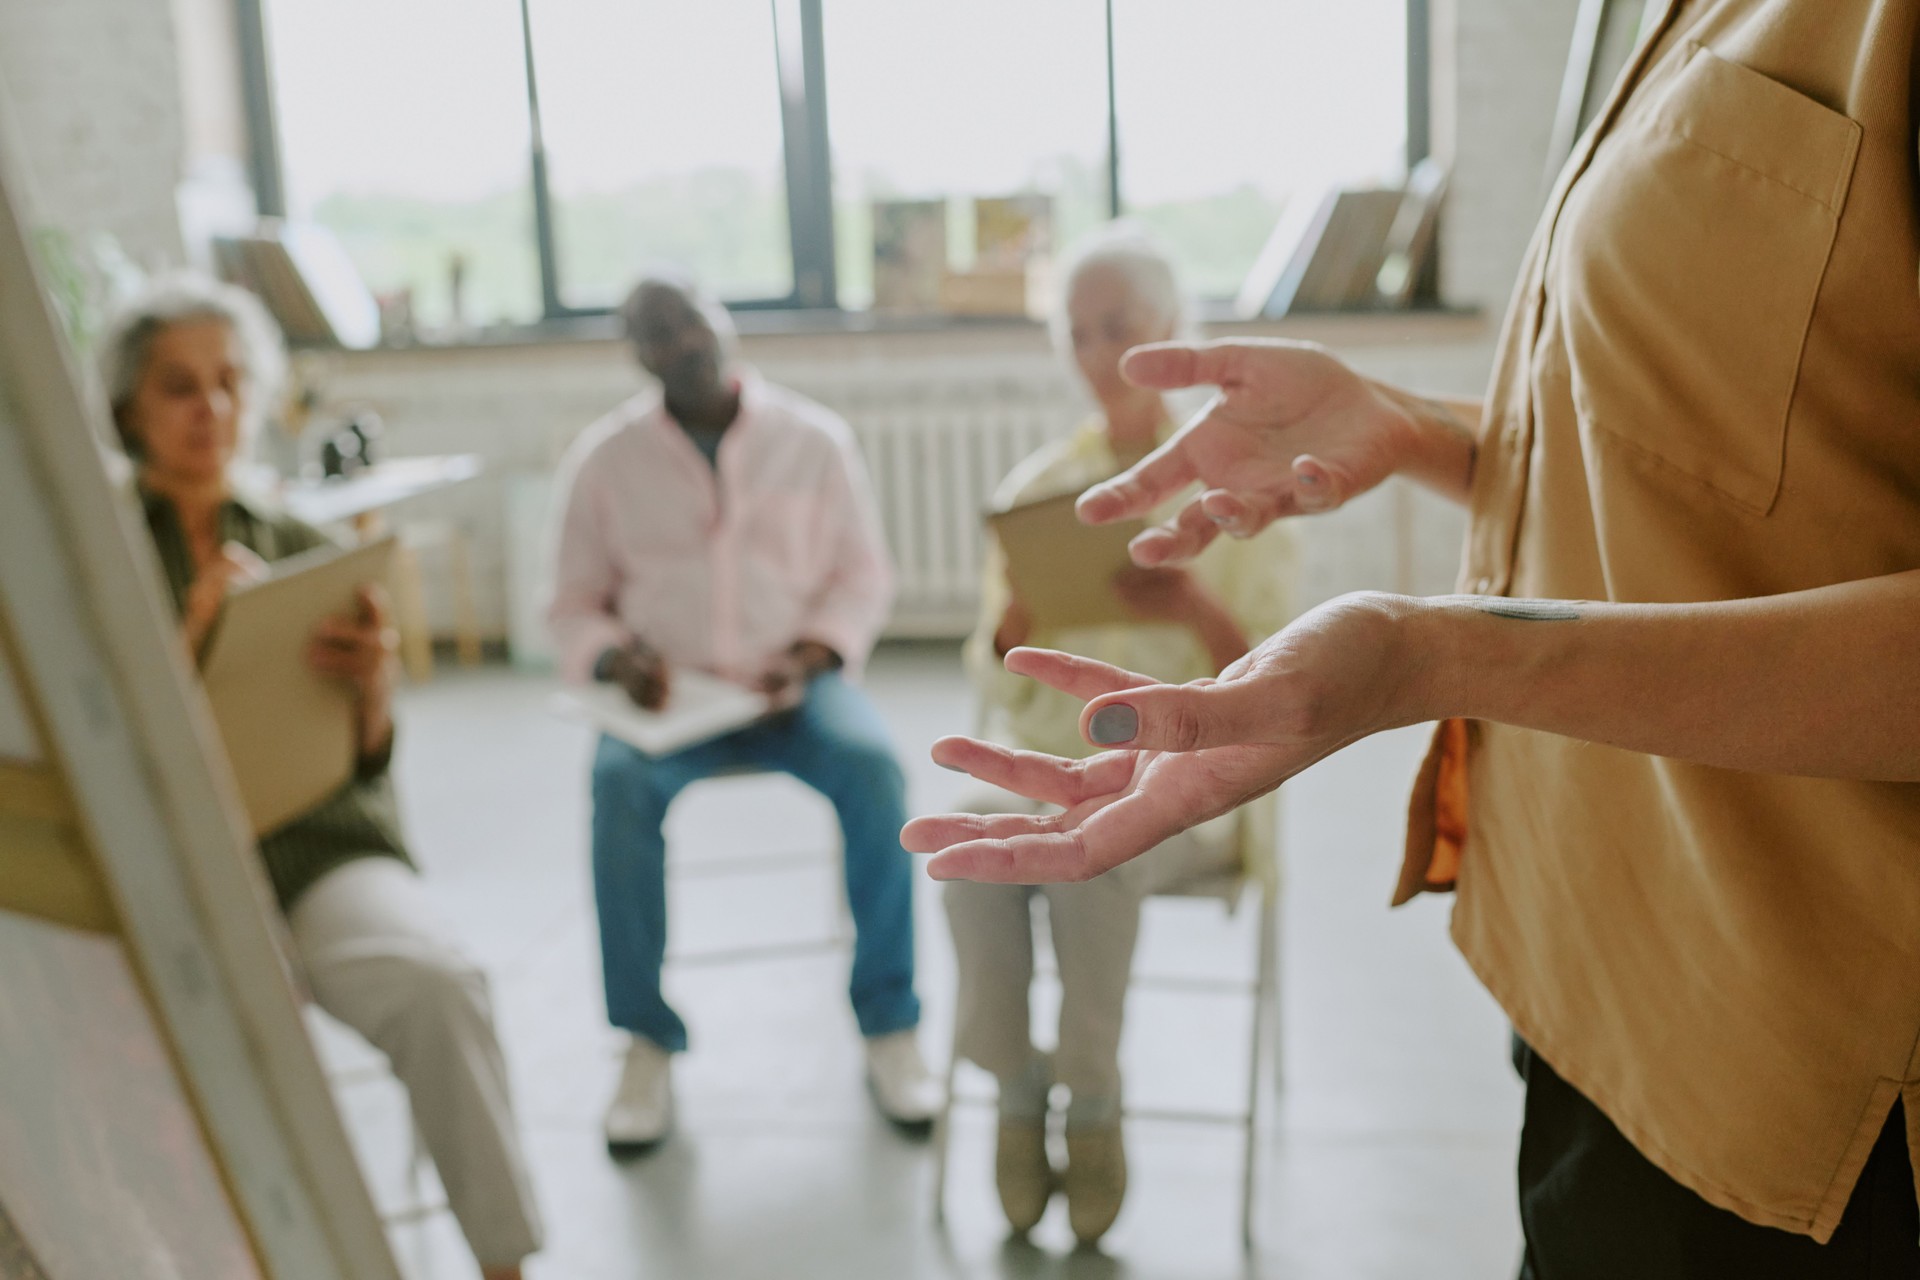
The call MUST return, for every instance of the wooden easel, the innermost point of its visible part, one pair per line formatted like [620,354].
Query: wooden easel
[130,895]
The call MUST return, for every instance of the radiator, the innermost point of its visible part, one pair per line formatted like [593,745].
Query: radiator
[935,462]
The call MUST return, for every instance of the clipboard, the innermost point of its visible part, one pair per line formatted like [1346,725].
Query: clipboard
[1060,568]
[700,708]
[289,731]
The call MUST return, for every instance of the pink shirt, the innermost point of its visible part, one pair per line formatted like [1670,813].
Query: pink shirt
[720,572]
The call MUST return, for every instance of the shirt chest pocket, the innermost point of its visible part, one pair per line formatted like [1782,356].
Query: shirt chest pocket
[1686,267]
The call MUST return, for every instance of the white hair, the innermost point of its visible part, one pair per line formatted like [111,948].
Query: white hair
[1142,261]
[126,343]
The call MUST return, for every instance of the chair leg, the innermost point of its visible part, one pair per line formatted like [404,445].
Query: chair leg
[1264,1049]
[942,1142]
[466,618]
[410,604]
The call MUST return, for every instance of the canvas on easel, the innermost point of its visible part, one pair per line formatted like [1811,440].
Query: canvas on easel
[162,1111]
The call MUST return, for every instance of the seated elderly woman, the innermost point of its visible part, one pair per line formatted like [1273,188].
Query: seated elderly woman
[187,367]
[1119,291]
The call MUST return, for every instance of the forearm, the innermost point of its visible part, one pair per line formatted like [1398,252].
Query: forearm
[1441,442]
[1822,683]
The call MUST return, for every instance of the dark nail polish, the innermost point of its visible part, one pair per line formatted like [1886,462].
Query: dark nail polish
[1114,725]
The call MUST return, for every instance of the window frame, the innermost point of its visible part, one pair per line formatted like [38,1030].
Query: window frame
[799,50]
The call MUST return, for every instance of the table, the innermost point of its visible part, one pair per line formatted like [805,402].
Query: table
[370,490]
[362,498]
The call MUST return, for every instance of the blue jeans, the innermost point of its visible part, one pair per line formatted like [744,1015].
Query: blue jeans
[835,742]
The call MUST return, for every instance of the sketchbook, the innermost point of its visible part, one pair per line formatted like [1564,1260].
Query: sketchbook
[700,708]
[1061,569]
[289,731]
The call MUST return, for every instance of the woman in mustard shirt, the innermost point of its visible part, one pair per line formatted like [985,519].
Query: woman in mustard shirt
[1676,782]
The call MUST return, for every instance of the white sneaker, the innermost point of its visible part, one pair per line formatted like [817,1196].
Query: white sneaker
[905,1091]
[641,1112]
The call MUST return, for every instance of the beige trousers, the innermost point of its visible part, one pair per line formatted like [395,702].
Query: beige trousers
[1094,927]
[378,960]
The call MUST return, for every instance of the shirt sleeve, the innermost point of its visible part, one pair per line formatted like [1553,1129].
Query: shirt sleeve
[848,611]
[581,611]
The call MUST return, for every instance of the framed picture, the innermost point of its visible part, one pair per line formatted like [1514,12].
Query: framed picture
[1605,34]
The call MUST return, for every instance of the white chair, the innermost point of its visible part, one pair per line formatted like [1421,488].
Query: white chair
[1262,990]
[734,866]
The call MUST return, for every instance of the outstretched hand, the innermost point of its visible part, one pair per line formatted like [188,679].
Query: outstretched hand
[1186,753]
[1291,431]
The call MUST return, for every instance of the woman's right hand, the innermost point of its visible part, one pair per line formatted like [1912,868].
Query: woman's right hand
[1291,431]
[234,566]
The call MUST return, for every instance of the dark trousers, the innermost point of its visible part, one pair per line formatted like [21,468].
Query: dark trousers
[1594,1208]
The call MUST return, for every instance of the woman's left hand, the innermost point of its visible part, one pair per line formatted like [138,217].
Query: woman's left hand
[358,648]
[1186,753]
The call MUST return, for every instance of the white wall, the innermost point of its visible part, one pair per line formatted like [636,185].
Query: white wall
[94,87]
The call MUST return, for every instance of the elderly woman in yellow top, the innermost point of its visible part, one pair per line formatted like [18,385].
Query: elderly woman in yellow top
[1119,290]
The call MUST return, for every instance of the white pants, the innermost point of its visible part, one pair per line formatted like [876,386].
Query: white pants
[1094,927]
[377,959]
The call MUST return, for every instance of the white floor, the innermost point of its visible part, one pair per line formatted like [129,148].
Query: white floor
[1392,1156]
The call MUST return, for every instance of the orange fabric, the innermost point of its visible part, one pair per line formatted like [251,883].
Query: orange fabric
[1436,817]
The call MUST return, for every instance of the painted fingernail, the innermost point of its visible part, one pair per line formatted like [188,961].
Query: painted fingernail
[1112,725]
[1308,478]
[950,768]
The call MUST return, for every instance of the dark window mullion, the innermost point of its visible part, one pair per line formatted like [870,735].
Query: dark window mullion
[551,305]
[1114,203]
[800,51]
[263,128]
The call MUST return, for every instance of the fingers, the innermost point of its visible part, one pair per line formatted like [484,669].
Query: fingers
[374,606]
[1188,717]
[1169,366]
[1048,779]
[1138,490]
[1056,850]
[242,563]
[943,831]
[1318,488]
[1082,677]
[1242,515]
[1182,538]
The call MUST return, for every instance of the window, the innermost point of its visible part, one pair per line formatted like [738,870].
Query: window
[403,128]
[747,139]
[662,130]
[987,98]
[1216,135]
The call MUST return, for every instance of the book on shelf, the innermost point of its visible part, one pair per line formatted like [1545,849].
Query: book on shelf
[1333,252]
[909,255]
[1410,242]
[302,273]
[1011,231]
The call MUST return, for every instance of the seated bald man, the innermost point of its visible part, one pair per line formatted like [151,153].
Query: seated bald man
[724,525]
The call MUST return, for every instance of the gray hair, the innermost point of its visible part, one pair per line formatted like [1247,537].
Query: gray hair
[1141,259]
[126,343]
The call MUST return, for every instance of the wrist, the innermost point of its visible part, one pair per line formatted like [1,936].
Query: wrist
[1434,656]
[1432,442]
